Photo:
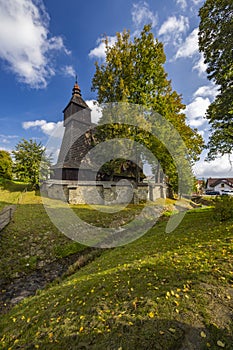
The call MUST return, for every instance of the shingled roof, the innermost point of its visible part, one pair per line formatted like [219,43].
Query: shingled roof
[212,182]
[76,103]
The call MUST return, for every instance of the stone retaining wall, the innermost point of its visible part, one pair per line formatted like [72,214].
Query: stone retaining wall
[102,193]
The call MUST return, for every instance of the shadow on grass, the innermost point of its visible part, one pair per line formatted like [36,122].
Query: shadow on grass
[14,186]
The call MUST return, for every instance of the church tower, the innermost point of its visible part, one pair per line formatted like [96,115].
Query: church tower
[77,139]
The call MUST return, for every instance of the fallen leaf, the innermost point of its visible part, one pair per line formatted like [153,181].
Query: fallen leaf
[220,344]
[172,330]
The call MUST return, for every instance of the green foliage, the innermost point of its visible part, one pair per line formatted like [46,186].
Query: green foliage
[216,42]
[223,208]
[134,73]
[5,165]
[31,163]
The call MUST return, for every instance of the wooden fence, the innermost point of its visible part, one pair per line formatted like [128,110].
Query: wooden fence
[6,215]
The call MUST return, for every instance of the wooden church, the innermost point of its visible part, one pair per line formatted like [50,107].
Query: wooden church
[77,140]
[74,175]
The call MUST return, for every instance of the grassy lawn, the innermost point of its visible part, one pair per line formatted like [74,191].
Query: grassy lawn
[10,192]
[30,240]
[163,291]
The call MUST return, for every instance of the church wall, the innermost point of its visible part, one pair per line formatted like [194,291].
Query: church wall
[157,191]
[103,193]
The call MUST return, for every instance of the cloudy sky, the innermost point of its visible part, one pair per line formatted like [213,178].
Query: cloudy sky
[44,44]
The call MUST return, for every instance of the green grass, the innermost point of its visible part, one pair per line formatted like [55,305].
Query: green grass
[10,192]
[163,291]
[30,240]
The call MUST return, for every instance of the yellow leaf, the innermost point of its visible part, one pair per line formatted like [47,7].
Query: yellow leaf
[203,335]
[172,330]
[151,314]
[50,335]
[220,344]
[80,329]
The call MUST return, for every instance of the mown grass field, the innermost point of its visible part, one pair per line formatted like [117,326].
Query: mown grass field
[163,291]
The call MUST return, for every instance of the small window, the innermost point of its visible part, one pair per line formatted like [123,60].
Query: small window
[222,185]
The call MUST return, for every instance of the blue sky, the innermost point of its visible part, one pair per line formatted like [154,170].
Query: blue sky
[44,44]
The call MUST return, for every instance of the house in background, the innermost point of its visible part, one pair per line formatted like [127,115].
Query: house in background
[220,185]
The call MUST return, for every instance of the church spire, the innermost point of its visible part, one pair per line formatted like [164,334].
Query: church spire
[76,89]
[77,104]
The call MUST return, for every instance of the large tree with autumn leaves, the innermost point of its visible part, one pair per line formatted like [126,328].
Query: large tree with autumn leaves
[133,72]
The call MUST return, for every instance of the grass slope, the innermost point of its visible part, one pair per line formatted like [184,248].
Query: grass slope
[163,291]
[30,240]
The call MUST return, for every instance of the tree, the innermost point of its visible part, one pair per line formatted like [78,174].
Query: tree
[216,43]
[5,165]
[134,72]
[31,163]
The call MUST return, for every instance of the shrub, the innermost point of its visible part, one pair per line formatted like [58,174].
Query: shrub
[223,208]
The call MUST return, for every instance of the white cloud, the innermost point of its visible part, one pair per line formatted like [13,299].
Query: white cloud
[25,45]
[207,91]
[197,2]
[219,167]
[190,46]
[7,142]
[48,128]
[195,111]
[173,28]
[96,111]
[69,71]
[8,137]
[32,124]
[141,15]
[200,66]
[100,50]
[182,3]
